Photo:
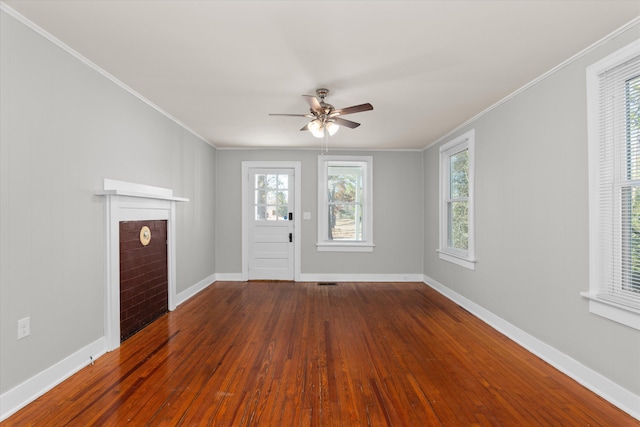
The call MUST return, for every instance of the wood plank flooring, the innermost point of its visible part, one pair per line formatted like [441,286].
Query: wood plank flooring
[299,354]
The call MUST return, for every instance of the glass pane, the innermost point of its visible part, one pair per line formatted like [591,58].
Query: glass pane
[345,222]
[458,233]
[459,179]
[268,181]
[283,213]
[271,197]
[282,197]
[631,239]
[345,184]
[283,181]
[272,181]
[633,127]
[261,212]
[272,213]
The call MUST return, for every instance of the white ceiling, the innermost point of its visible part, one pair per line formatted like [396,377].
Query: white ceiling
[219,67]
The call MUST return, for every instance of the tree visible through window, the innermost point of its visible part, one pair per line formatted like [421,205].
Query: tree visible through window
[345,203]
[344,187]
[631,191]
[457,243]
[458,203]
[271,196]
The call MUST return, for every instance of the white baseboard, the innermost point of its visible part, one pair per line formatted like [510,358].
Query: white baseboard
[312,277]
[361,277]
[229,277]
[193,290]
[599,384]
[23,394]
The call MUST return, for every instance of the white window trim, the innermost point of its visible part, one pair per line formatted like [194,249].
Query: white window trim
[324,245]
[466,259]
[598,303]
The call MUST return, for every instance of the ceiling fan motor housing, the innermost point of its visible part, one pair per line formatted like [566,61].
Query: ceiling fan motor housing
[328,108]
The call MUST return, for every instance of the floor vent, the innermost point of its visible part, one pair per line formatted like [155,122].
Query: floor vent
[327,284]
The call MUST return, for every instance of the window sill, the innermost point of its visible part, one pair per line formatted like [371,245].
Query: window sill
[612,310]
[344,247]
[458,260]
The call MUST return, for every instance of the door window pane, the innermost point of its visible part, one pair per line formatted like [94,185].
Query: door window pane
[271,197]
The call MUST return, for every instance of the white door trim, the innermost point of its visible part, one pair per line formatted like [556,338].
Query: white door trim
[297,229]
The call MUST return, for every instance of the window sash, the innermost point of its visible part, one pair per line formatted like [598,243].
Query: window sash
[458,227]
[615,258]
[345,220]
[457,242]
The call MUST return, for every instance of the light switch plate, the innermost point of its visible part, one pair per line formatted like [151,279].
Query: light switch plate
[24,328]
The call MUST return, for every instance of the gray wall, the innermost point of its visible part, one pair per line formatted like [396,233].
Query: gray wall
[64,128]
[532,222]
[398,219]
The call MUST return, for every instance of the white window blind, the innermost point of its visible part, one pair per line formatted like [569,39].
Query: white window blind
[615,222]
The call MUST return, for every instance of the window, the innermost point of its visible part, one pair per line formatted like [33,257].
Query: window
[271,196]
[613,95]
[457,160]
[345,208]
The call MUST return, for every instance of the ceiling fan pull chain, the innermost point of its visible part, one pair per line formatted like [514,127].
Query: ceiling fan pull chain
[324,141]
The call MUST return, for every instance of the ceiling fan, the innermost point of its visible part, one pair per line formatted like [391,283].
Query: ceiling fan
[327,119]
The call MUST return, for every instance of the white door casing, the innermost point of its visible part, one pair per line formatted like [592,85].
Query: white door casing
[270,207]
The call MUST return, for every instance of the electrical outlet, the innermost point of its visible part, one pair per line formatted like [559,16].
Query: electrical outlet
[24,328]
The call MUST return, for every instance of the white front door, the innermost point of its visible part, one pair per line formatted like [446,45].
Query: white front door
[270,223]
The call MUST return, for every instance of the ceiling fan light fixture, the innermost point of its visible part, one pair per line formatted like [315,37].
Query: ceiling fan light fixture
[332,128]
[316,128]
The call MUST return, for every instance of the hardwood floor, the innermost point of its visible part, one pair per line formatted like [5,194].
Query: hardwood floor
[300,354]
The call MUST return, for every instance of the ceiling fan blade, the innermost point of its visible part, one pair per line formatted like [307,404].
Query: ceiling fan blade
[291,115]
[305,127]
[314,104]
[345,123]
[354,109]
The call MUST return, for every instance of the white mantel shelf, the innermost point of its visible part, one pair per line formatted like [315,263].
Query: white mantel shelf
[140,195]
[112,187]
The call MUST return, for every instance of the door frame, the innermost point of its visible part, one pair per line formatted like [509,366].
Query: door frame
[297,211]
